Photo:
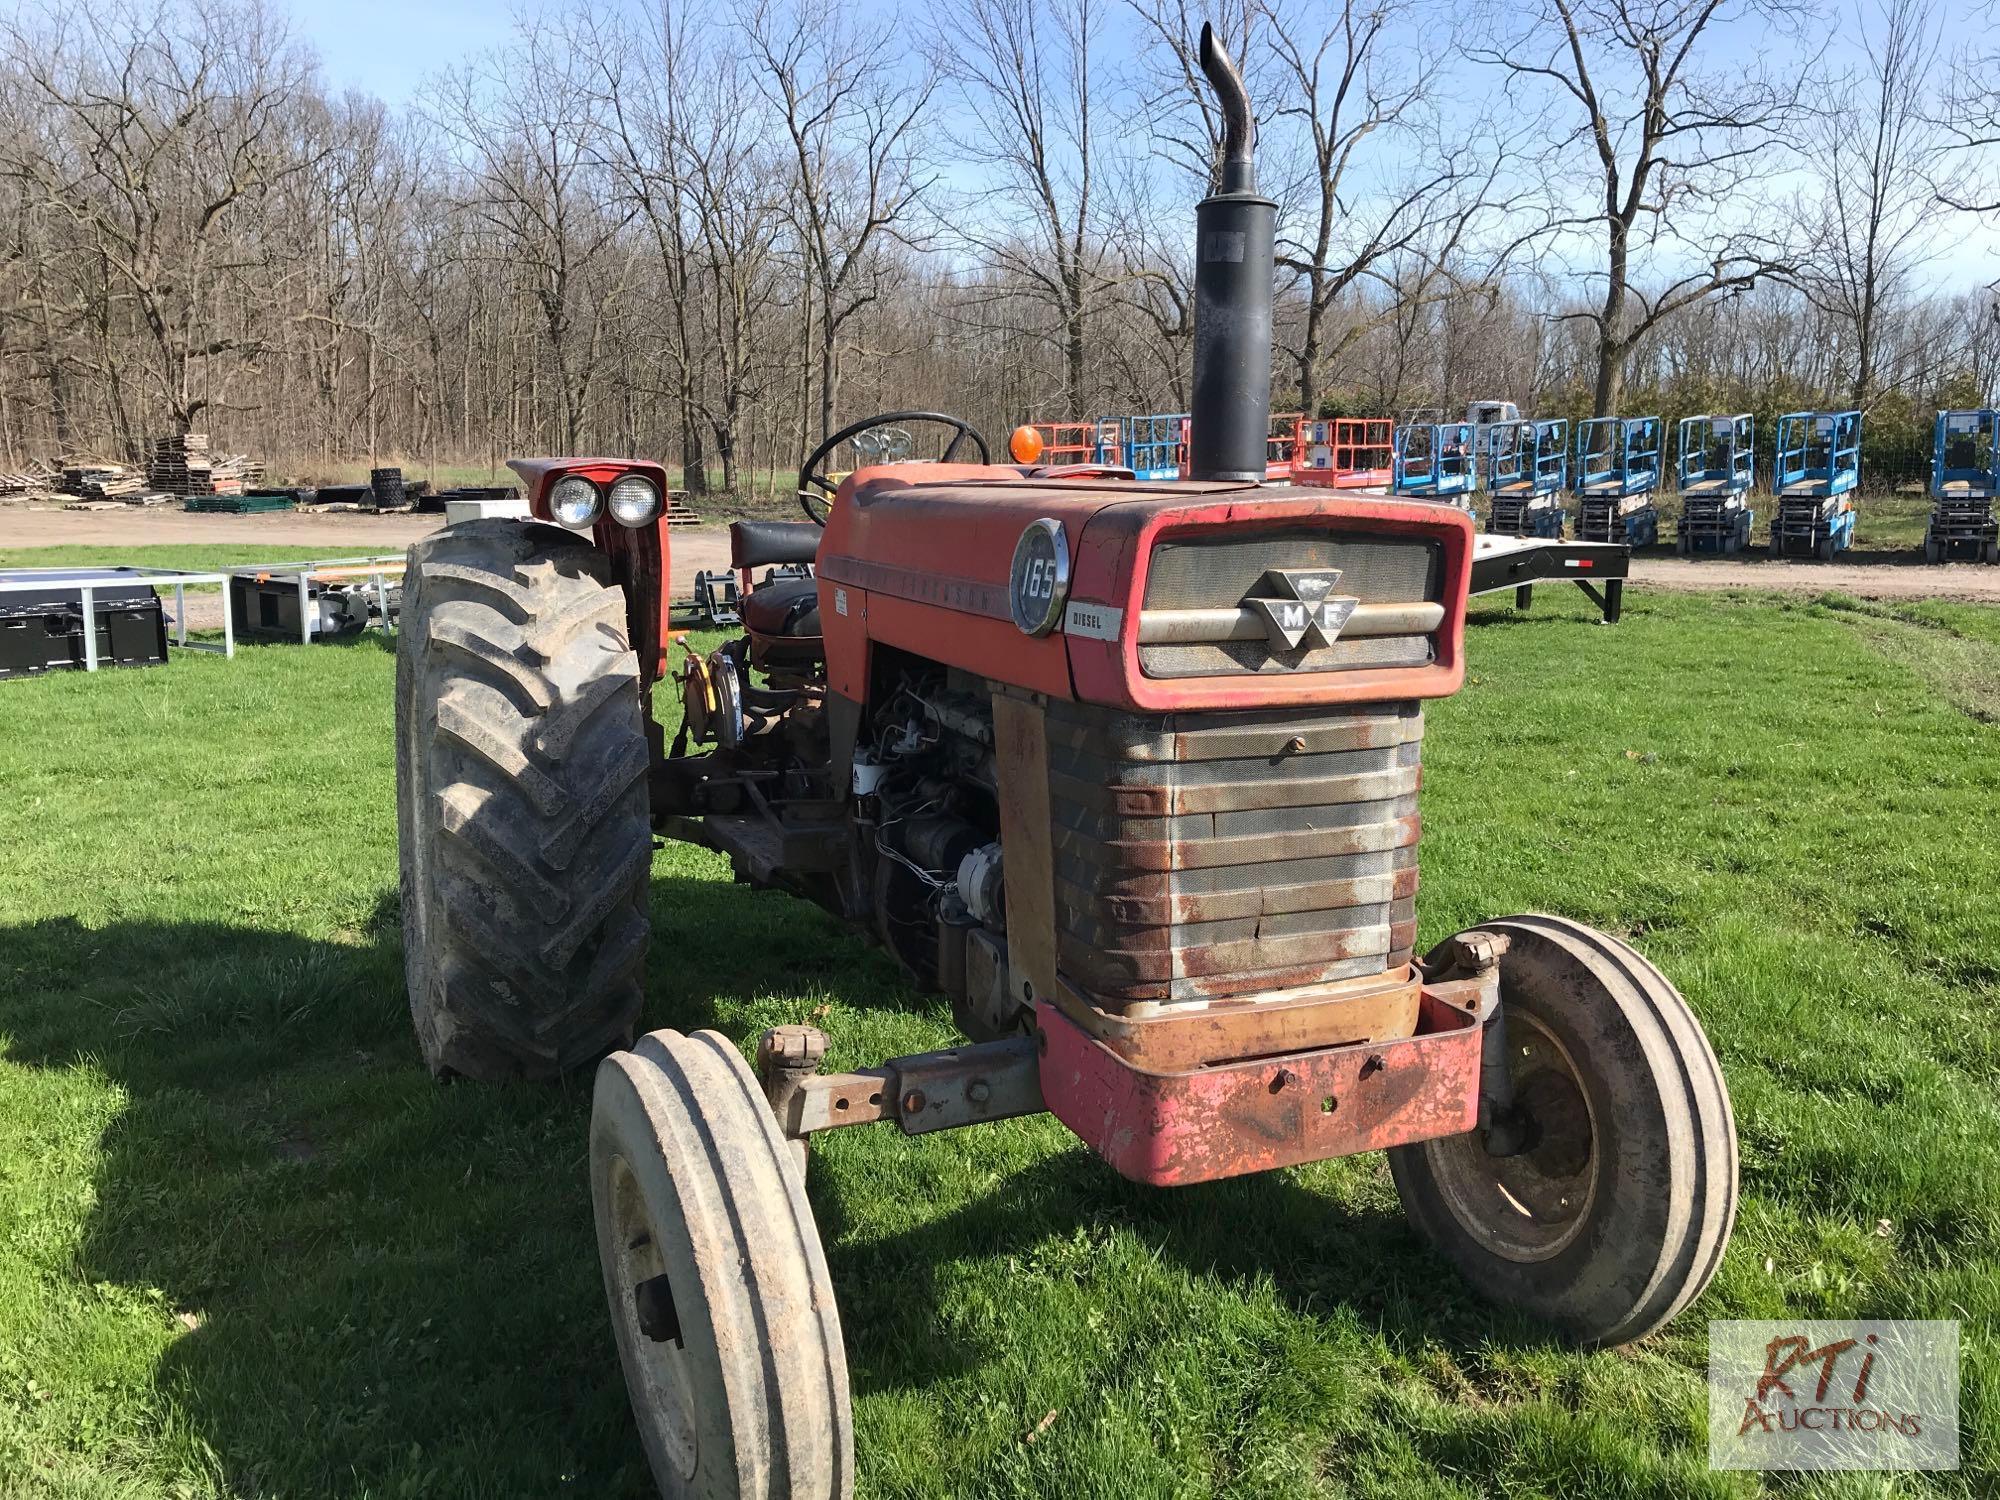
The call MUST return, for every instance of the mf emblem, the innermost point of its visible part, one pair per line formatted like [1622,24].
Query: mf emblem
[1299,606]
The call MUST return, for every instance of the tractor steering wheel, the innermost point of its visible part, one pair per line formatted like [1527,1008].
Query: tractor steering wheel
[811,477]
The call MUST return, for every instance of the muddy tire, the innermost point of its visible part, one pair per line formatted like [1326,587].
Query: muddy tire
[718,1288]
[521,803]
[1616,1216]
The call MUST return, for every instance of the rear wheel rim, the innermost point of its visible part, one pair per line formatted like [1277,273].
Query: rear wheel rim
[1532,1206]
[660,1365]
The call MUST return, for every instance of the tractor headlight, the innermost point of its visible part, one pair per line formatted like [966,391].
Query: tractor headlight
[575,502]
[634,501]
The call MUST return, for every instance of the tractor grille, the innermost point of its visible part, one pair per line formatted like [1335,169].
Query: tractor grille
[1199,856]
[1219,572]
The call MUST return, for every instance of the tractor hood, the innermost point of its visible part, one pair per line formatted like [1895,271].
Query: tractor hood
[1148,596]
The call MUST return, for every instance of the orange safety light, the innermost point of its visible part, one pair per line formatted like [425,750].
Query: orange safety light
[1025,444]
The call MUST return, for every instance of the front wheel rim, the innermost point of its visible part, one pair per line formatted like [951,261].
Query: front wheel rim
[1532,1206]
[661,1365]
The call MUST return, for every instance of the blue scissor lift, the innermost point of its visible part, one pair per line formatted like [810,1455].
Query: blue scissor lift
[1717,469]
[1965,481]
[1615,477]
[1150,446]
[1434,461]
[1527,465]
[1815,473]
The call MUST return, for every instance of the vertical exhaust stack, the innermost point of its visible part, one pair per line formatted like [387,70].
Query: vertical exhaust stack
[1230,416]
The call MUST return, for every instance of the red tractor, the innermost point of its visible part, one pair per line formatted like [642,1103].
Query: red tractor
[1128,770]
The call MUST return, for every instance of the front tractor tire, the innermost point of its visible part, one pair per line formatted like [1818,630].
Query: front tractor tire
[522,818]
[718,1286]
[1616,1214]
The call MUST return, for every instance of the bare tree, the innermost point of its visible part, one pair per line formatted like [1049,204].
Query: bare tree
[528,124]
[1972,121]
[153,129]
[850,109]
[1382,185]
[1873,221]
[659,235]
[648,122]
[1024,74]
[1666,144]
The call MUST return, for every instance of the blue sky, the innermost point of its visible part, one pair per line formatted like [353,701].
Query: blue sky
[389,47]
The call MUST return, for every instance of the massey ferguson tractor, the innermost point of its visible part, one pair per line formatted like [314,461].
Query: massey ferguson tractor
[1127,769]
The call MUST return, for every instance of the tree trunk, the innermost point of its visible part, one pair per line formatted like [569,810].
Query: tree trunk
[1073,361]
[828,371]
[1864,372]
[694,464]
[1612,348]
[725,449]
[1309,349]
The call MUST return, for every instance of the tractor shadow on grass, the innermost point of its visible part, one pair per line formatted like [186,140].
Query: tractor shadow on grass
[323,1271]
[356,1279]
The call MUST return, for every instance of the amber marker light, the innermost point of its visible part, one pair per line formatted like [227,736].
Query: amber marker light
[1025,444]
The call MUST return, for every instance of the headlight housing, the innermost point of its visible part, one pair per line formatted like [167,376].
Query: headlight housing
[634,501]
[575,502]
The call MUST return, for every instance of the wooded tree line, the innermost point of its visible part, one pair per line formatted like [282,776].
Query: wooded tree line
[714,233]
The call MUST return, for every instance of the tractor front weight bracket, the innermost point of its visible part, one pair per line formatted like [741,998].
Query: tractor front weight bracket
[1219,1120]
[924,1092]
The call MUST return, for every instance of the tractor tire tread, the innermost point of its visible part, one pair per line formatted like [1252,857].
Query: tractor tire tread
[1637,1272]
[522,761]
[768,1399]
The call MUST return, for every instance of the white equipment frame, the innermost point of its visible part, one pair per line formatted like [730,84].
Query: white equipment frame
[376,569]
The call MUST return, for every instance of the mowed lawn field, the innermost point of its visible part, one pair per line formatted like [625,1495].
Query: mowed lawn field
[248,1248]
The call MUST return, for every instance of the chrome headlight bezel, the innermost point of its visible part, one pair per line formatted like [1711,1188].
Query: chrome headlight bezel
[575,502]
[619,502]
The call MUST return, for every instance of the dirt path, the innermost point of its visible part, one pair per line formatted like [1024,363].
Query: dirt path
[1883,576]
[167,525]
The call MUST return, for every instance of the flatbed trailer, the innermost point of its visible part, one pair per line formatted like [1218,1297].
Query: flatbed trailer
[1520,562]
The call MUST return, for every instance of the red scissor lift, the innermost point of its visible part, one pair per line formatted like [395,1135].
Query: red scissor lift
[1280,446]
[1344,453]
[1281,449]
[1067,442]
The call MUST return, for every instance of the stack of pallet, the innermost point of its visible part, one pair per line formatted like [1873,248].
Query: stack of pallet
[95,479]
[182,465]
[37,478]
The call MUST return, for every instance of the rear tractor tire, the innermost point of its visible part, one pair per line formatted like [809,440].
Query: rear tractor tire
[521,803]
[718,1288]
[1615,1216]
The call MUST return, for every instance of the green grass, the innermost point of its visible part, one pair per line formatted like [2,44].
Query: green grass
[247,1248]
[1890,523]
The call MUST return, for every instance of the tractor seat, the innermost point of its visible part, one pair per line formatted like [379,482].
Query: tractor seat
[759,544]
[784,606]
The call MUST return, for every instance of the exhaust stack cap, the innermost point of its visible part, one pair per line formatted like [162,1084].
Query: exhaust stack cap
[1229,415]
